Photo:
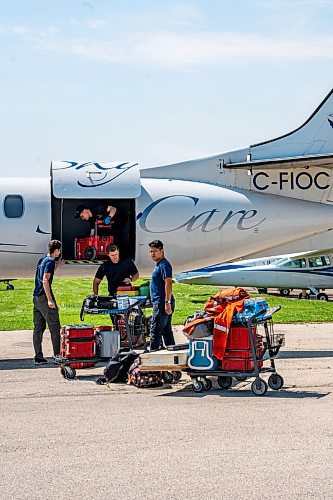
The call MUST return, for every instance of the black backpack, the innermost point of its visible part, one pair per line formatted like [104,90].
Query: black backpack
[117,368]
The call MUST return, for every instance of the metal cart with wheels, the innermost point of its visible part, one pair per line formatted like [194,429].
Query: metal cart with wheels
[133,328]
[132,323]
[272,343]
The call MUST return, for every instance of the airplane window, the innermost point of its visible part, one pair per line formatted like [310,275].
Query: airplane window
[319,261]
[13,206]
[295,264]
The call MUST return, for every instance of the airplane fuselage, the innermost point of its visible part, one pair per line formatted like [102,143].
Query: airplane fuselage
[251,202]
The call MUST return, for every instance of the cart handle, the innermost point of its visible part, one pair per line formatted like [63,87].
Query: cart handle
[267,313]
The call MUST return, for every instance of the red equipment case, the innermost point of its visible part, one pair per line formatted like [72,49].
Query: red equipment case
[91,247]
[238,354]
[77,331]
[240,360]
[78,341]
[238,337]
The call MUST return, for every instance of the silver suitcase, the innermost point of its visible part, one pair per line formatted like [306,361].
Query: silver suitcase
[108,342]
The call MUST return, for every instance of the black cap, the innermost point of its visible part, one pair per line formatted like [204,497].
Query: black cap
[79,209]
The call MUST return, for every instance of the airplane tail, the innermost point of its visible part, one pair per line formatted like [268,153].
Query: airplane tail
[296,165]
[314,137]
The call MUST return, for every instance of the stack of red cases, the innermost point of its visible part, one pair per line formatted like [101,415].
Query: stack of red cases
[239,338]
[99,243]
[238,354]
[78,341]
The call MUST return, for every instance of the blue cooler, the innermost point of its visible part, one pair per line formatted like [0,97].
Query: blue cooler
[201,354]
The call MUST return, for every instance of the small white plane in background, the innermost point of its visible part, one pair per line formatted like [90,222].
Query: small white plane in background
[306,271]
[272,197]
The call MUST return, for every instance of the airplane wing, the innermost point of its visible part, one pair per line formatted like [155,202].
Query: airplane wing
[325,160]
[321,251]
[191,275]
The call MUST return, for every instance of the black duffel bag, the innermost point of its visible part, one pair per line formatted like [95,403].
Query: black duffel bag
[117,368]
[92,304]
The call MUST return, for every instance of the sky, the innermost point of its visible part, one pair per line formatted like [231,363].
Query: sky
[155,81]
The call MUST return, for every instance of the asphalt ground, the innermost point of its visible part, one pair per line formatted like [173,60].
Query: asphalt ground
[77,440]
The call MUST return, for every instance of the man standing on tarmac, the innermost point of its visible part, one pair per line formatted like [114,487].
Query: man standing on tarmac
[162,298]
[119,272]
[45,307]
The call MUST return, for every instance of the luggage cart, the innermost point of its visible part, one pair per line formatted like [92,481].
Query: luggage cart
[272,343]
[132,333]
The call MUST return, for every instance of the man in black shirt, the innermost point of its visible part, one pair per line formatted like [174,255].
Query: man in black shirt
[110,217]
[119,272]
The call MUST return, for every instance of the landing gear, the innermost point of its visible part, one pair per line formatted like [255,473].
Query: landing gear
[304,295]
[322,296]
[9,285]
[285,292]
[262,290]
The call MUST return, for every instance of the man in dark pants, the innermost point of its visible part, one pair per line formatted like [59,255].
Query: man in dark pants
[162,298]
[45,307]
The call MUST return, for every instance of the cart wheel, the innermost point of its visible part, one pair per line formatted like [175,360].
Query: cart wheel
[261,390]
[168,377]
[177,376]
[207,384]
[63,372]
[275,382]
[70,373]
[90,253]
[241,378]
[197,385]
[224,382]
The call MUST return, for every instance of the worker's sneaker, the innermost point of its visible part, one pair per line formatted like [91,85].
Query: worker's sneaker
[40,361]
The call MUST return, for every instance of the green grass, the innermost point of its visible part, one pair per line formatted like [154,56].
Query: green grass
[16,306]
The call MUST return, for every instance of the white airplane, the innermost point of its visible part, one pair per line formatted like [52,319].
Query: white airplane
[250,202]
[306,271]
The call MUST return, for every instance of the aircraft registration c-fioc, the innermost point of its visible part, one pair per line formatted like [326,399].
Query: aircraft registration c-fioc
[269,198]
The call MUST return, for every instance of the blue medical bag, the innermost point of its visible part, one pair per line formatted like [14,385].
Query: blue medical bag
[201,354]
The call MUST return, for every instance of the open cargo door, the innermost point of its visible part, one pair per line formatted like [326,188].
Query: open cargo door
[94,184]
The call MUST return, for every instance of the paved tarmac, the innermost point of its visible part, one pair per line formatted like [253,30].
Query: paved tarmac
[76,440]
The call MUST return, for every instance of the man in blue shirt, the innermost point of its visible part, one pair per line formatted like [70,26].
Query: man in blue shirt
[162,298]
[45,307]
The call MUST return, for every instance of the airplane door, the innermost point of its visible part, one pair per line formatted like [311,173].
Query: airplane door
[96,185]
